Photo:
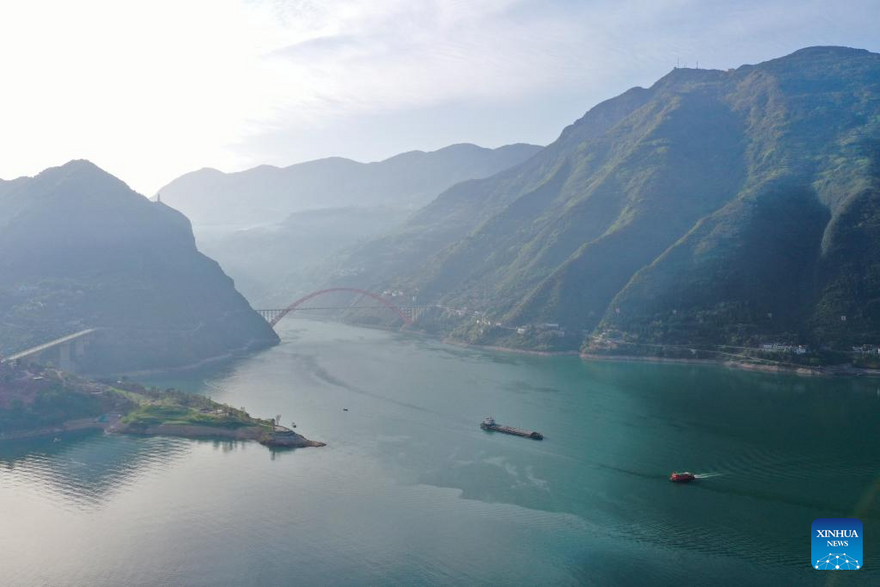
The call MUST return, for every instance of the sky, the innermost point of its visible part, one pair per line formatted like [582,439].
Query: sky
[149,90]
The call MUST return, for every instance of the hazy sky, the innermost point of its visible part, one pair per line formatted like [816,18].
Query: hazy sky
[151,89]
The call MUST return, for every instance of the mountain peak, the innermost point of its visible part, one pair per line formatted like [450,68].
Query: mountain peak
[835,50]
[820,60]
[78,236]
[79,167]
[77,164]
[81,177]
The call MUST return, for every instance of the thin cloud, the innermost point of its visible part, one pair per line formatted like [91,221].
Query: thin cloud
[152,90]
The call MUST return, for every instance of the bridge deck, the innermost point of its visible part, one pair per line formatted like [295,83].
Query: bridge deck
[46,346]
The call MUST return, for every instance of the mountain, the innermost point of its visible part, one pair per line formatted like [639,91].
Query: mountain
[79,249]
[277,231]
[272,265]
[266,195]
[717,207]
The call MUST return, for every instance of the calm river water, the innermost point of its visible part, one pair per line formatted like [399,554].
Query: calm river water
[409,490]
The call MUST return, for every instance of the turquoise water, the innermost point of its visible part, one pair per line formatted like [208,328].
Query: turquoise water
[410,491]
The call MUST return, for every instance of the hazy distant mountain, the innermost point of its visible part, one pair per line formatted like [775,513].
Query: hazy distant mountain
[275,231]
[79,249]
[272,265]
[266,195]
[717,206]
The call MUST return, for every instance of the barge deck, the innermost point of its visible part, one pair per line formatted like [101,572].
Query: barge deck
[492,426]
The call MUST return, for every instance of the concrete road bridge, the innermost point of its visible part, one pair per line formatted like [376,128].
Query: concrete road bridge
[61,352]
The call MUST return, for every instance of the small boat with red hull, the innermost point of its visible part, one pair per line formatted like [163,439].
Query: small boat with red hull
[684,477]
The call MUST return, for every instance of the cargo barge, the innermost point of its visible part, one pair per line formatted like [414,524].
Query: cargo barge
[491,425]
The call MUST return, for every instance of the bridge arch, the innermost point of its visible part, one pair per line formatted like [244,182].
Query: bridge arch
[277,318]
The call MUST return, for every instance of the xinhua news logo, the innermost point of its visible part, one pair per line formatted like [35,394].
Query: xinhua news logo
[837,544]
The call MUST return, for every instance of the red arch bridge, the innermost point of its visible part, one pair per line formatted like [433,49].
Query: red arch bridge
[407,313]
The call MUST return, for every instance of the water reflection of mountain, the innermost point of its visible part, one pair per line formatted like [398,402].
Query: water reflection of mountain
[87,468]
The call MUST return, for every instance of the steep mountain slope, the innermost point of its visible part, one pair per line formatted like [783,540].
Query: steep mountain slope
[265,195]
[717,207]
[79,249]
[463,207]
[796,250]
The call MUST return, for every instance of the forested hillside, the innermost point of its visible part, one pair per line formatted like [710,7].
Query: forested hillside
[722,207]
[79,249]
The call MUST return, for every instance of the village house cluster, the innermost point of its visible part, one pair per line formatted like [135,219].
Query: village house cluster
[551,328]
[781,347]
[867,349]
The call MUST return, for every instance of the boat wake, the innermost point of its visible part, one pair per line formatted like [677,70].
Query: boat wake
[707,475]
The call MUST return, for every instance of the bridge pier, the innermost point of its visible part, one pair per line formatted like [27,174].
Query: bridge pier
[26,360]
[414,312]
[64,362]
[79,347]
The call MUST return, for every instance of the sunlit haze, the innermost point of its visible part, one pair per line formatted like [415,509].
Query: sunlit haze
[150,90]
[435,292]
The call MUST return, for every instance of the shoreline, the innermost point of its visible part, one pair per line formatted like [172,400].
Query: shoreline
[720,363]
[193,432]
[505,349]
[65,428]
[821,371]
[729,364]
[801,370]
[256,433]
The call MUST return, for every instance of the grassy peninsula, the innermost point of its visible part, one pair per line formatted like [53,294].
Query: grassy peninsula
[40,401]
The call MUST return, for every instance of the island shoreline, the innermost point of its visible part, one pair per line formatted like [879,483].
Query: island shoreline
[245,433]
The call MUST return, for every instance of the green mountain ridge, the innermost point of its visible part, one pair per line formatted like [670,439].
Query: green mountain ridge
[80,249]
[716,207]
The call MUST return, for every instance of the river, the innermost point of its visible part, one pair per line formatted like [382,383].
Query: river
[409,490]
